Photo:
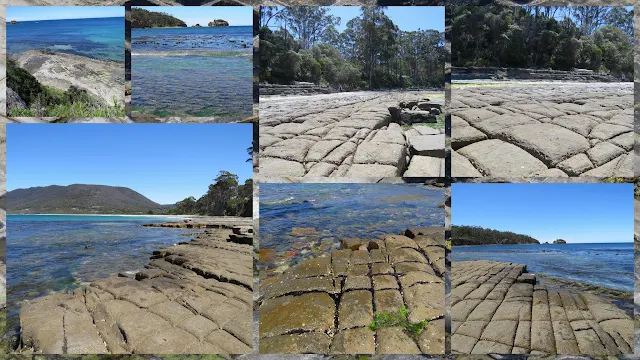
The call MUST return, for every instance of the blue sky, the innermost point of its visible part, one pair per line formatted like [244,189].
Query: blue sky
[29,13]
[191,15]
[164,162]
[577,213]
[407,18]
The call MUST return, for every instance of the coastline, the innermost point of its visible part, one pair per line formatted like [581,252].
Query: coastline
[218,261]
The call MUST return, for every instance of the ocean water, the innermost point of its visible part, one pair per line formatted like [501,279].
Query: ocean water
[199,72]
[47,253]
[99,38]
[338,211]
[603,264]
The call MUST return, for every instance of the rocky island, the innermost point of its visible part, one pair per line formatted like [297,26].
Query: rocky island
[193,297]
[218,22]
[559,241]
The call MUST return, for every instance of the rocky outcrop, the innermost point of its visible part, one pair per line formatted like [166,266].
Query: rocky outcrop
[192,298]
[495,73]
[559,241]
[300,88]
[102,79]
[328,304]
[14,101]
[196,25]
[497,307]
[218,22]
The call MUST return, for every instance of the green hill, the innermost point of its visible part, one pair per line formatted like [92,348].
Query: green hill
[79,199]
[141,18]
[476,235]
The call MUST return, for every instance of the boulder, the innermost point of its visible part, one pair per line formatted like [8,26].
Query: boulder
[412,116]
[14,101]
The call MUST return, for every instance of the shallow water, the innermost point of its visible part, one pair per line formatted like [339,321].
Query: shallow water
[608,265]
[100,38]
[48,254]
[199,72]
[338,211]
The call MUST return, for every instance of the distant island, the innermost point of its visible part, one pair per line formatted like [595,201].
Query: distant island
[476,235]
[559,241]
[141,18]
[13,22]
[218,22]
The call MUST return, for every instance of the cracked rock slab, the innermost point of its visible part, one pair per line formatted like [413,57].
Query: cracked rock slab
[496,308]
[553,129]
[314,317]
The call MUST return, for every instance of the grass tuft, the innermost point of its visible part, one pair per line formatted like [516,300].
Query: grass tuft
[398,318]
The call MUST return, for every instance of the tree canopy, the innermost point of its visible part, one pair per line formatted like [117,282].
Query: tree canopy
[372,52]
[225,197]
[582,37]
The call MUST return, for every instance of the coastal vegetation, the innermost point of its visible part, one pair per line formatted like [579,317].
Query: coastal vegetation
[371,53]
[141,18]
[38,100]
[225,197]
[597,38]
[476,235]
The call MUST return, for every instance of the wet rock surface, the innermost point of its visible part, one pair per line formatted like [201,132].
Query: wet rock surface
[495,308]
[192,298]
[350,135]
[551,129]
[327,304]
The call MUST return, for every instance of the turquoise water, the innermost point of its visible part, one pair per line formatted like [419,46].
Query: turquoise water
[199,72]
[54,253]
[338,211]
[99,38]
[603,264]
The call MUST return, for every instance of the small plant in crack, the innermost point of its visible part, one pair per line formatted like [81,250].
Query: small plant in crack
[399,318]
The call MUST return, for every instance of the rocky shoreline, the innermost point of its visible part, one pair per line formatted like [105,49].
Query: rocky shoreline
[334,304]
[194,297]
[498,307]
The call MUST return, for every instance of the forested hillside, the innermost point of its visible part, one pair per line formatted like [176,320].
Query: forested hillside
[582,37]
[476,235]
[371,53]
[141,18]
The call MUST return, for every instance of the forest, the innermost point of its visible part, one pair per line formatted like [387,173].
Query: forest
[302,43]
[141,18]
[225,197]
[597,38]
[476,235]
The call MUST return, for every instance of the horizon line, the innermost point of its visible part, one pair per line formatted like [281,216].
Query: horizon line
[79,18]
